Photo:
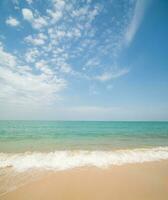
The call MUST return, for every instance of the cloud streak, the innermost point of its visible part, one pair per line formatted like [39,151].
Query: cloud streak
[107,76]
[136,20]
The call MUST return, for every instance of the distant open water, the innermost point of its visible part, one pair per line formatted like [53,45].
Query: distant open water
[47,136]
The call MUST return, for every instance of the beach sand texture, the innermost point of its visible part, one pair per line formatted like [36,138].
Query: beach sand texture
[147,181]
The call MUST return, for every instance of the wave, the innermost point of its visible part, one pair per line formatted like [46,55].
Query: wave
[62,160]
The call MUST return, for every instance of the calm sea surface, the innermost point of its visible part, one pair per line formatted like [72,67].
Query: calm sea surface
[21,136]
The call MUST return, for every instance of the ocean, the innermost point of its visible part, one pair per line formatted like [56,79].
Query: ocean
[28,147]
[47,136]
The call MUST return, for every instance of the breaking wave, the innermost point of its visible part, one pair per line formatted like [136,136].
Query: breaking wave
[62,160]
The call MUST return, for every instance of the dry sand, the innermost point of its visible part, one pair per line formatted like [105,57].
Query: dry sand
[147,181]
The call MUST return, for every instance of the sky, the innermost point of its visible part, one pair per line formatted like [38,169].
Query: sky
[84,59]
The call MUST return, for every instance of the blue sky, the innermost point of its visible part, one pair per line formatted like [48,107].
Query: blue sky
[84,60]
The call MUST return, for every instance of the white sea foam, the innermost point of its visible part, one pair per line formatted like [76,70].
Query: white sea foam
[62,160]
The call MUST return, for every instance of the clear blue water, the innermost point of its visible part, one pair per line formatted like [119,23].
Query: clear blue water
[21,136]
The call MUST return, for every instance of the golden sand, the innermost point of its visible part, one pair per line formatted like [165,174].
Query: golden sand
[147,181]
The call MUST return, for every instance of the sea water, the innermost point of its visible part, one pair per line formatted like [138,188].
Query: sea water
[66,144]
[27,147]
[47,136]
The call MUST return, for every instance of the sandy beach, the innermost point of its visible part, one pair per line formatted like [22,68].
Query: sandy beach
[146,181]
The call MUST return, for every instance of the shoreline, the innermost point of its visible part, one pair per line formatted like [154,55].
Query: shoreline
[142,181]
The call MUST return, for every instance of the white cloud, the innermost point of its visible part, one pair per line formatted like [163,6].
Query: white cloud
[6,59]
[11,21]
[34,88]
[55,15]
[20,84]
[27,14]
[31,55]
[110,75]
[42,65]
[135,21]
[80,12]
[39,39]
[34,41]
[37,22]
[58,4]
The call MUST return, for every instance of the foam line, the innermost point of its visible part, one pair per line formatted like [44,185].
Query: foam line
[62,160]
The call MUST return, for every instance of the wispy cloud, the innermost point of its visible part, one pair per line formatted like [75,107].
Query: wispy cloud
[111,75]
[135,22]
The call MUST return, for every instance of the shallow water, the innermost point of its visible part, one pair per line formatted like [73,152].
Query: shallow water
[22,136]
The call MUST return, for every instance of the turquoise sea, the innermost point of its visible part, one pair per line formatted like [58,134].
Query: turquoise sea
[29,148]
[23,136]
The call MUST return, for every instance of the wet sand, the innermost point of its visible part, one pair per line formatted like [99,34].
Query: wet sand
[147,181]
